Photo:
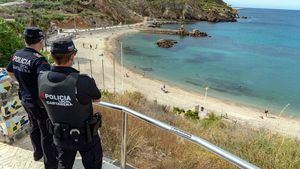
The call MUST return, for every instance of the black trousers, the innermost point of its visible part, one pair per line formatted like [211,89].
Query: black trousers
[91,154]
[41,139]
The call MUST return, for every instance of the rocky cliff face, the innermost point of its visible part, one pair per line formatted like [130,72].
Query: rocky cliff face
[199,10]
[130,11]
[92,13]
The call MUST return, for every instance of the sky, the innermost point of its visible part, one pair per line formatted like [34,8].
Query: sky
[273,4]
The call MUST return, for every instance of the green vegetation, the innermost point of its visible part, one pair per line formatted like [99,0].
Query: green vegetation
[48,56]
[189,113]
[4,1]
[107,12]
[10,40]
[150,147]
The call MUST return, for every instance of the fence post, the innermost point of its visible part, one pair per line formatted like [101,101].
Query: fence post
[123,141]
[91,68]
[114,76]
[103,74]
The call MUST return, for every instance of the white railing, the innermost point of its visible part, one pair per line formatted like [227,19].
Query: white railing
[233,159]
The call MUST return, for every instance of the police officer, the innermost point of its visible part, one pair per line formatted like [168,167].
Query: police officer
[25,66]
[67,96]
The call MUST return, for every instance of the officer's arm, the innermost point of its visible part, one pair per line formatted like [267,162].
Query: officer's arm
[93,91]
[42,65]
[10,70]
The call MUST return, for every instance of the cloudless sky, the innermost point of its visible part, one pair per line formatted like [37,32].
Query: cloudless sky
[275,4]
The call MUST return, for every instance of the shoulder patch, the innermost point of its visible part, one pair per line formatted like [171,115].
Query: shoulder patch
[37,55]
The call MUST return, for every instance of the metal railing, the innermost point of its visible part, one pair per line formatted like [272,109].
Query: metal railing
[233,159]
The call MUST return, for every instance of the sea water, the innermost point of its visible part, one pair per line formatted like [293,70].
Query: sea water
[254,61]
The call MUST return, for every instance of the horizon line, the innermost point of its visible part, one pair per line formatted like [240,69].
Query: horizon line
[266,8]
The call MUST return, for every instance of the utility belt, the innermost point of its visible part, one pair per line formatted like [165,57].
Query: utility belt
[63,131]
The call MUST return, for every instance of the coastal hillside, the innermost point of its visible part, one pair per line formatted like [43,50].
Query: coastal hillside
[92,13]
[151,147]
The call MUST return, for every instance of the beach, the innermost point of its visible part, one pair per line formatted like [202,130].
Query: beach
[105,46]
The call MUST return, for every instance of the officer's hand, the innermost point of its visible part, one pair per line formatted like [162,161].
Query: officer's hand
[96,100]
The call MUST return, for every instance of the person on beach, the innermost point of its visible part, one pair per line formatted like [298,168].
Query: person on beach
[25,66]
[266,112]
[164,89]
[67,96]
[83,45]
[91,47]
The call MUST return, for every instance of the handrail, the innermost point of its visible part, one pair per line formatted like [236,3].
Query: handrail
[197,140]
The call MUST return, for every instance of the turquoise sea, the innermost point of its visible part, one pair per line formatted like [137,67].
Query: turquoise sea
[255,61]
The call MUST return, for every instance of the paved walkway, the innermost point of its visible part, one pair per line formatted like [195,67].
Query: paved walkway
[19,156]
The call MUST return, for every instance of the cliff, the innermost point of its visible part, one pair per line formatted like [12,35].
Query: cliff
[91,13]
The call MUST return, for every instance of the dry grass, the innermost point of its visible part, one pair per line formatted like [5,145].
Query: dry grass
[150,147]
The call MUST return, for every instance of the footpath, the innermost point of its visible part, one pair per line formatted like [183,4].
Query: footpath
[19,156]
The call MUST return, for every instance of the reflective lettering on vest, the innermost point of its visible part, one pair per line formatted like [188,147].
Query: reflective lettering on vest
[57,100]
[23,64]
[21,60]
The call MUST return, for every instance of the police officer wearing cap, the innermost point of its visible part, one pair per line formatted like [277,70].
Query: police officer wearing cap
[67,96]
[25,66]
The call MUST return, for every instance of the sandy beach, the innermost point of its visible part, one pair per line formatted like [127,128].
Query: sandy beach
[101,47]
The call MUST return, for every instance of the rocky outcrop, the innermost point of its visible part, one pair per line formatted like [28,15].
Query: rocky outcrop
[181,32]
[166,43]
[197,33]
[214,16]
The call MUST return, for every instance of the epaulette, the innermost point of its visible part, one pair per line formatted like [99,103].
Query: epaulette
[85,75]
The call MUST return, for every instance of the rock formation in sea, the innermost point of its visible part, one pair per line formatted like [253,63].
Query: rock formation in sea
[166,43]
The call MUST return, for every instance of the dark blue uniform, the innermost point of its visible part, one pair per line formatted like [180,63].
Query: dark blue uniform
[26,65]
[91,152]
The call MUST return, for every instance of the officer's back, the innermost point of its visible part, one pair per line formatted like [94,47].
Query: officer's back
[26,65]
[67,97]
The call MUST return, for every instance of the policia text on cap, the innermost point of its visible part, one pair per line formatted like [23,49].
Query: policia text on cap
[67,97]
[25,66]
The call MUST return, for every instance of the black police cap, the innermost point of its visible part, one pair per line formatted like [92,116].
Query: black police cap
[33,33]
[63,46]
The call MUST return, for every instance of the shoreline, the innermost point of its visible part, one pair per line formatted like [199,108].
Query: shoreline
[182,98]
[114,40]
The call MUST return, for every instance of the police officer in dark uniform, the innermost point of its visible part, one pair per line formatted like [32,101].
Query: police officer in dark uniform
[67,96]
[25,66]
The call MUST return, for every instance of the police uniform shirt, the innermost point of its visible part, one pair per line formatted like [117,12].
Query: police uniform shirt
[26,65]
[87,89]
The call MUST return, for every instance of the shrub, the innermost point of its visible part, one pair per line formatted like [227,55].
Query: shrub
[10,40]
[191,114]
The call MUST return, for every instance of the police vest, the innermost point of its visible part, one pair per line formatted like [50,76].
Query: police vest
[60,101]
